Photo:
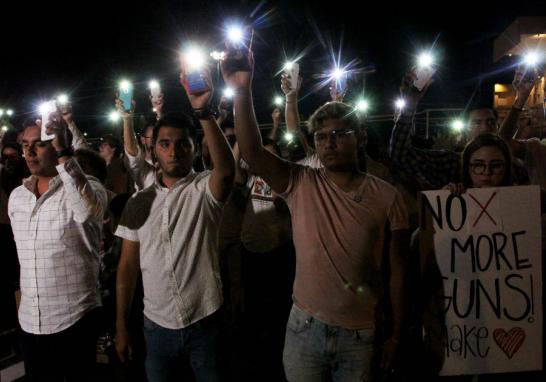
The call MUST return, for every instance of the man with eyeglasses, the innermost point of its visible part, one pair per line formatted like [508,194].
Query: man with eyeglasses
[339,215]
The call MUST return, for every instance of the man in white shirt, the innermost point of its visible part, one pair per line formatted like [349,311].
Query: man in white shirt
[170,233]
[56,216]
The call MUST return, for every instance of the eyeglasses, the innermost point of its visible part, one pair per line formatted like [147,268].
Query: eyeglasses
[341,135]
[496,167]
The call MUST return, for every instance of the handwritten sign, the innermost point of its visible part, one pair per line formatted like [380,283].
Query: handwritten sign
[481,256]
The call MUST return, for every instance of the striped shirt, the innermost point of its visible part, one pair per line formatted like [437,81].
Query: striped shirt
[58,237]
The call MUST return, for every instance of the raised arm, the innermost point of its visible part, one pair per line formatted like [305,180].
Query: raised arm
[87,198]
[292,115]
[130,143]
[78,139]
[434,167]
[523,83]
[270,167]
[223,171]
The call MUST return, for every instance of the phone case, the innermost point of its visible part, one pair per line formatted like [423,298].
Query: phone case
[195,83]
[423,76]
[294,74]
[126,97]
[50,107]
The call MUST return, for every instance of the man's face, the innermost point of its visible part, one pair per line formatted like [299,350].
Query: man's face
[336,145]
[146,138]
[40,156]
[174,150]
[482,121]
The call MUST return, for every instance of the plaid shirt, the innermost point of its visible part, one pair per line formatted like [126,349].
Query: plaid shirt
[58,237]
[434,167]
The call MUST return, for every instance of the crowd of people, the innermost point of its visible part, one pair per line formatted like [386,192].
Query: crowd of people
[220,255]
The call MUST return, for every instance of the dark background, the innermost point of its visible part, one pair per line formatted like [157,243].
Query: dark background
[83,48]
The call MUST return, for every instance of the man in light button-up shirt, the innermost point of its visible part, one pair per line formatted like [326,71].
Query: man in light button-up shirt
[56,217]
[170,233]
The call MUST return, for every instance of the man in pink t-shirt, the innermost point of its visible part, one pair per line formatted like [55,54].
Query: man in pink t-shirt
[340,216]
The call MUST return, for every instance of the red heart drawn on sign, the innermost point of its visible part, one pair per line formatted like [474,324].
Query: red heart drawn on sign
[509,342]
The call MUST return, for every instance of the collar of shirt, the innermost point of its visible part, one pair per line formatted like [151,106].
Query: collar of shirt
[188,178]
[31,182]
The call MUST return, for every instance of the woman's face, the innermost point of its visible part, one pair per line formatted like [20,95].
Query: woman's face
[487,167]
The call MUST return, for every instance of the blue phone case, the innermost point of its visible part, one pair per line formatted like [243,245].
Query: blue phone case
[196,83]
[126,98]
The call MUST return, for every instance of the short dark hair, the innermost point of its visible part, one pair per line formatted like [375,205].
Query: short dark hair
[30,121]
[177,121]
[11,145]
[113,142]
[333,110]
[485,140]
[480,106]
[91,163]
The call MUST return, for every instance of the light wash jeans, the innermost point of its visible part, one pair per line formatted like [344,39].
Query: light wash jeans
[315,351]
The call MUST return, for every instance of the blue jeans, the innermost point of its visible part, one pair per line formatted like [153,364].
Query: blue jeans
[166,347]
[315,351]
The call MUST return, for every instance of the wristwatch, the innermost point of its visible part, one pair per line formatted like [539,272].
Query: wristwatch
[64,153]
[203,113]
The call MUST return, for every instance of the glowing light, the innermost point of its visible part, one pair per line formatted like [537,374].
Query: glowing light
[153,84]
[235,34]
[362,105]
[288,136]
[457,125]
[229,93]
[46,107]
[195,58]
[337,73]
[288,65]
[62,99]
[425,60]
[9,112]
[400,103]
[278,101]
[125,86]
[532,58]
[4,128]
[114,116]
[1,112]
[218,56]
[85,134]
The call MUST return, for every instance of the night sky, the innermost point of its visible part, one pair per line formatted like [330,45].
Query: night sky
[84,48]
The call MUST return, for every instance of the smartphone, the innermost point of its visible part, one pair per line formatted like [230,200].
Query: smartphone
[293,73]
[126,97]
[155,91]
[237,57]
[48,110]
[195,83]
[423,76]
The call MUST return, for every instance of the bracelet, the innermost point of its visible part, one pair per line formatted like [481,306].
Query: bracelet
[64,153]
[203,113]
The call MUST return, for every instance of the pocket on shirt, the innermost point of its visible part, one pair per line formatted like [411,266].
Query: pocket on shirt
[299,320]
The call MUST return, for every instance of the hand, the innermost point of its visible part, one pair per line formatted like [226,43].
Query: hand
[276,115]
[335,95]
[157,104]
[57,126]
[455,188]
[124,346]
[66,112]
[524,83]
[201,100]
[411,95]
[286,87]
[390,354]
[239,80]
[125,114]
